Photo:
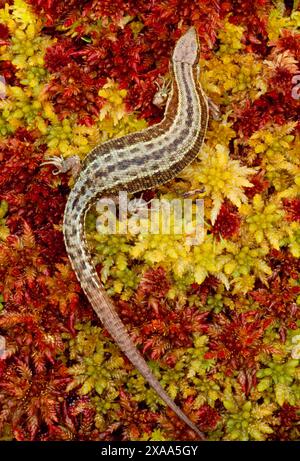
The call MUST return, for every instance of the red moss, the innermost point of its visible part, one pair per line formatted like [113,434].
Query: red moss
[279,301]
[260,185]
[253,16]
[81,416]
[203,15]
[154,282]
[114,10]
[8,71]
[284,265]
[50,293]
[31,402]
[75,91]
[4,35]
[159,327]
[206,288]
[110,52]
[288,428]
[55,10]
[208,418]
[281,80]
[273,106]
[174,428]
[292,209]
[289,41]
[135,421]
[59,55]
[237,342]
[227,223]
[26,187]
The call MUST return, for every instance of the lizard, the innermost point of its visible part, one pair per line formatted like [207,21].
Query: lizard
[133,163]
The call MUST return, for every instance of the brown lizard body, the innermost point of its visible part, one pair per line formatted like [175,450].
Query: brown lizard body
[134,163]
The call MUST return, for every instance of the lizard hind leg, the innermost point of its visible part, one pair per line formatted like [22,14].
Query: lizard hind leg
[63,165]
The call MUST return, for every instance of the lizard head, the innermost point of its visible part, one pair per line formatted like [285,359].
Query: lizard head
[187,48]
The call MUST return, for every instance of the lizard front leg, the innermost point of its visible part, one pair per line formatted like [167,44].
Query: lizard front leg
[163,91]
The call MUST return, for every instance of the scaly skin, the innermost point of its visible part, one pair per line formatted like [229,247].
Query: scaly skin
[133,163]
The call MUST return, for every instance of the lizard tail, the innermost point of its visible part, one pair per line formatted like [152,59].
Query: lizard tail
[114,325]
[85,270]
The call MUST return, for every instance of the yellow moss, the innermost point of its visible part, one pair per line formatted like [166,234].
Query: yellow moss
[230,37]
[275,145]
[244,260]
[231,78]
[220,133]
[221,177]
[264,221]
[66,138]
[115,106]
[277,22]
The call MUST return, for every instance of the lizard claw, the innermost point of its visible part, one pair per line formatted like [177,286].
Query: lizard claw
[190,193]
[214,109]
[56,161]
[64,165]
